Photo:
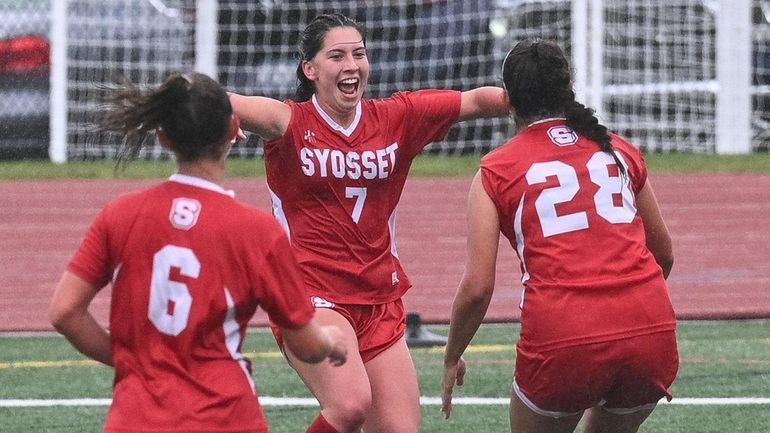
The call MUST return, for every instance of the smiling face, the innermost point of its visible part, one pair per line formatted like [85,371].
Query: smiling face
[340,71]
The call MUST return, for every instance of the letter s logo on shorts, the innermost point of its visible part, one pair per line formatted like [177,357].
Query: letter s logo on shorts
[319,302]
[562,135]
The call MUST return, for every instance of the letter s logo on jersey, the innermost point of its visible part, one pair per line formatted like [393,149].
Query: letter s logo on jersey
[562,135]
[184,213]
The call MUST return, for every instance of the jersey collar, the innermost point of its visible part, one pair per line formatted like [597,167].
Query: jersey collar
[200,183]
[550,119]
[347,132]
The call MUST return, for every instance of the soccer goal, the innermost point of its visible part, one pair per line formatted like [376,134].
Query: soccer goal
[671,75]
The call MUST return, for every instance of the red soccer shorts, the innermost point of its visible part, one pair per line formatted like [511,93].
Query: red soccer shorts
[621,375]
[377,327]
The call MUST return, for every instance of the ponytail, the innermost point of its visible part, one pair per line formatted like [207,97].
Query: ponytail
[192,109]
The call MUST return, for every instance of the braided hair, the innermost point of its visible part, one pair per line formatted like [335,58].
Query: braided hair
[538,81]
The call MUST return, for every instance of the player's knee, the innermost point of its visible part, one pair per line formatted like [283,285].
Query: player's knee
[349,411]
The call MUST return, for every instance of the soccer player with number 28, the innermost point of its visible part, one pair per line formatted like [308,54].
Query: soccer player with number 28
[336,165]
[188,266]
[597,325]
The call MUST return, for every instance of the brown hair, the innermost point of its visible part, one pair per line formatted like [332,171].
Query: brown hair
[537,78]
[311,41]
[192,109]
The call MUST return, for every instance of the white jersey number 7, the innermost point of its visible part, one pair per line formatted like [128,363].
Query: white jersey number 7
[359,193]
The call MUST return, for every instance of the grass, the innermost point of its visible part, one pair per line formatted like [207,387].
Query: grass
[718,359]
[422,166]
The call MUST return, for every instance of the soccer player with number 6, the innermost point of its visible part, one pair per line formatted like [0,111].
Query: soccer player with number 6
[336,164]
[188,265]
[597,325]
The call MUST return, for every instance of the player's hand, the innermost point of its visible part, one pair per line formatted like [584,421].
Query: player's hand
[339,352]
[453,374]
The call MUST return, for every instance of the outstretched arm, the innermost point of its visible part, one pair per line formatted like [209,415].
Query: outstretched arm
[476,287]
[266,117]
[485,101]
[69,315]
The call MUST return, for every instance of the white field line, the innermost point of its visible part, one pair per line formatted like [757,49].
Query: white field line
[425,401]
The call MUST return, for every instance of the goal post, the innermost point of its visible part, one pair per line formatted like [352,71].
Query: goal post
[57,149]
[670,75]
[733,120]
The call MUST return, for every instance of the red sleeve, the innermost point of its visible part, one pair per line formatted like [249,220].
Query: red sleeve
[91,260]
[634,159]
[490,179]
[283,291]
[429,115]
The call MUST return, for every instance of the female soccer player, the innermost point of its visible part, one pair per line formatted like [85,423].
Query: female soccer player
[188,267]
[597,325]
[336,165]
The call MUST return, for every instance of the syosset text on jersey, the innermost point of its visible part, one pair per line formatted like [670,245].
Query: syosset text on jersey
[369,164]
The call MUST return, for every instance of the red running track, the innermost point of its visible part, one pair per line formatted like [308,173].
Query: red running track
[720,226]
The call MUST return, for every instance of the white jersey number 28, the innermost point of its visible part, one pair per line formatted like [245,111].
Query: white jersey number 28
[170,301]
[569,184]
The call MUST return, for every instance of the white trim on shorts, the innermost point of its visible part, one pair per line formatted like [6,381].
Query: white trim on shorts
[554,414]
[627,411]
[527,402]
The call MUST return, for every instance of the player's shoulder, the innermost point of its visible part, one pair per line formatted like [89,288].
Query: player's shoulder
[512,150]
[251,218]
[408,97]
[130,202]
[627,148]
[619,141]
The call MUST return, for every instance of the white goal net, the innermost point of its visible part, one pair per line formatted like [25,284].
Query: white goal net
[649,67]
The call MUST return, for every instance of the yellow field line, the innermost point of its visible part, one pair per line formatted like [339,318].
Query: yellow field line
[487,348]
[91,363]
[49,364]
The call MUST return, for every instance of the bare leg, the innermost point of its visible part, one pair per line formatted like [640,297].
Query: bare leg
[524,420]
[599,420]
[395,391]
[343,392]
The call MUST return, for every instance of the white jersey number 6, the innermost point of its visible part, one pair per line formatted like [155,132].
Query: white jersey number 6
[170,301]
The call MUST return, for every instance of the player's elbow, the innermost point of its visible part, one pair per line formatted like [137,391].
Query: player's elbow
[666,263]
[477,288]
[61,317]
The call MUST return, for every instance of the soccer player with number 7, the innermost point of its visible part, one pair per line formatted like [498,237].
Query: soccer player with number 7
[188,265]
[597,325]
[336,164]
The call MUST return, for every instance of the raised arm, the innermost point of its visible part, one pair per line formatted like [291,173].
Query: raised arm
[476,287]
[266,117]
[486,101]
[655,230]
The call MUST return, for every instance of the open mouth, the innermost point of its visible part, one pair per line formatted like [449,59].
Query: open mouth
[348,86]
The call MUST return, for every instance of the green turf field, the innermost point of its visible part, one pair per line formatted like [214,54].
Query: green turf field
[729,359]
[423,166]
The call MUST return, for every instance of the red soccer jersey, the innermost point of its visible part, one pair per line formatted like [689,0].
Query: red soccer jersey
[587,273]
[189,265]
[335,190]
